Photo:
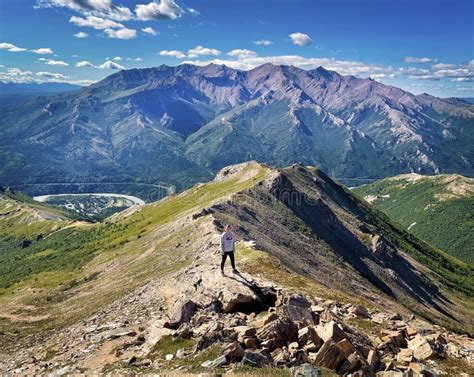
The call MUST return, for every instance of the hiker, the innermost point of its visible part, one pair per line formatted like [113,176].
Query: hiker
[228,248]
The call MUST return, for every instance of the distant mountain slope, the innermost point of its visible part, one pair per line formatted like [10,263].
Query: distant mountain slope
[178,125]
[14,94]
[439,209]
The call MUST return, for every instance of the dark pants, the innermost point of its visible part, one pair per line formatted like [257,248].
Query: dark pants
[224,257]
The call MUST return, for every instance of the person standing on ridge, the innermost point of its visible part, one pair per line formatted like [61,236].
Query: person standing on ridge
[228,248]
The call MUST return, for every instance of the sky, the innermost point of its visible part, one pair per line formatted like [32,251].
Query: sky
[421,46]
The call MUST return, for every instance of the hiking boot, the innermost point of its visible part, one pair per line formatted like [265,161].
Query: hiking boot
[222,273]
[234,271]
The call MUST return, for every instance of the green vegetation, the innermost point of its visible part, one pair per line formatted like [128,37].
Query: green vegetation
[437,209]
[77,267]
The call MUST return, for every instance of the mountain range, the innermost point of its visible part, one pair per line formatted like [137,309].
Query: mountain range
[179,125]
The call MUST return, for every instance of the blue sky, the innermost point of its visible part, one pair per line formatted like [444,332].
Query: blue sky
[421,46]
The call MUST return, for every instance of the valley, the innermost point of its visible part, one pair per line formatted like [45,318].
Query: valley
[91,205]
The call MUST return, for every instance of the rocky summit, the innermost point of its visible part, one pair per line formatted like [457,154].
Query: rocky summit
[180,125]
[327,286]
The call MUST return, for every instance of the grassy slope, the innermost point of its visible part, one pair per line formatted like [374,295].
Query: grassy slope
[447,224]
[58,272]
[77,271]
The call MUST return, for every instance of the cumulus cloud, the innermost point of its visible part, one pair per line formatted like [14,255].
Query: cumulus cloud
[85,63]
[345,67]
[201,50]
[16,75]
[411,59]
[150,31]
[242,53]
[11,47]
[118,58]
[97,23]
[174,53]
[101,8]
[43,51]
[263,42]
[164,9]
[110,65]
[121,33]
[81,35]
[50,75]
[300,39]
[53,62]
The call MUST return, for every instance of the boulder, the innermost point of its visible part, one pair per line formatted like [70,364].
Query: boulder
[233,352]
[328,356]
[216,363]
[373,360]
[422,348]
[280,356]
[280,331]
[405,356]
[346,347]
[411,331]
[352,362]
[245,332]
[330,331]
[182,313]
[250,342]
[309,339]
[298,309]
[358,311]
[396,338]
[255,359]
[421,370]
[306,370]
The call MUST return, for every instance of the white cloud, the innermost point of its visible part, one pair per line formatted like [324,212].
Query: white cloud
[410,59]
[81,35]
[85,63]
[110,65]
[193,12]
[463,79]
[345,67]
[137,59]
[121,33]
[150,31]
[43,51]
[174,53]
[164,9]
[118,58]
[201,50]
[50,75]
[263,42]
[101,8]
[242,53]
[16,75]
[97,23]
[10,47]
[301,39]
[53,62]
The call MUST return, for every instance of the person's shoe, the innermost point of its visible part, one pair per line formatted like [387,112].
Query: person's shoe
[222,273]
[235,271]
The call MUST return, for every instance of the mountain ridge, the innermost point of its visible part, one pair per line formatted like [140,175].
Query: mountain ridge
[150,269]
[193,120]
